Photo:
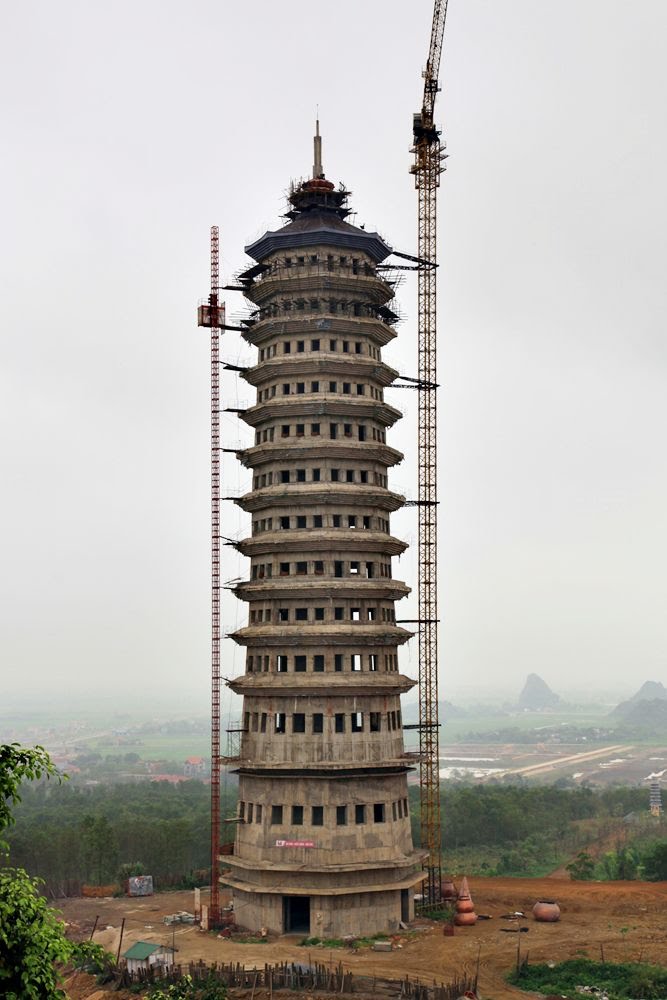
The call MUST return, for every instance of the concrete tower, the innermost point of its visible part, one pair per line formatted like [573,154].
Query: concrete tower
[323,843]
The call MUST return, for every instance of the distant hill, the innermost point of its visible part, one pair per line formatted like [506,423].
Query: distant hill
[537,694]
[649,698]
[648,716]
[649,691]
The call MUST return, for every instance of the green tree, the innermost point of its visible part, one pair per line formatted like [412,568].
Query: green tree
[627,862]
[17,764]
[655,862]
[32,940]
[100,847]
[128,870]
[608,866]
[582,868]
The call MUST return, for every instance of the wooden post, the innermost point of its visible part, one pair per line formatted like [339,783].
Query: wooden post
[94,927]
[120,940]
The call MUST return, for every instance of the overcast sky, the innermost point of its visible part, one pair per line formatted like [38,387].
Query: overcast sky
[129,128]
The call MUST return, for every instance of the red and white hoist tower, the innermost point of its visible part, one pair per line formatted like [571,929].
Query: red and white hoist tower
[427,167]
[212,315]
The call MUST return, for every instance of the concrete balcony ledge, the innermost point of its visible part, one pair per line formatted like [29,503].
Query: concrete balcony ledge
[310,634]
[321,405]
[297,282]
[306,448]
[318,364]
[290,889]
[312,325]
[340,540]
[348,683]
[327,771]
[323,588]
[350,494]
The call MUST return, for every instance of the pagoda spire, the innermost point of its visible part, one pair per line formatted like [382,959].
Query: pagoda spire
[318,170]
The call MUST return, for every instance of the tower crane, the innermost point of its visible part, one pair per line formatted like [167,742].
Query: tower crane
[213,316]
[428,165]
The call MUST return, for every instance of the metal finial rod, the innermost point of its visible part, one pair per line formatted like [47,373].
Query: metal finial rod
[318,170]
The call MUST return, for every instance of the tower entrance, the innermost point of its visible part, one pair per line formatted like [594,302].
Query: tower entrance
[296,914]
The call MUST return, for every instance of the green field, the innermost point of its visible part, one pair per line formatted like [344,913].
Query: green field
[157,747]
[456,729]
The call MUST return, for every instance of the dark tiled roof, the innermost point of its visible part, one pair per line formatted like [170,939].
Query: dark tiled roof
[314,228]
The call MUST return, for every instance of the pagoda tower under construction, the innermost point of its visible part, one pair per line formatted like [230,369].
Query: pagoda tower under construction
[323,843]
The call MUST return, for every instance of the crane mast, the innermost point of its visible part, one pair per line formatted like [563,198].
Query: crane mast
[427,167]
[213,316]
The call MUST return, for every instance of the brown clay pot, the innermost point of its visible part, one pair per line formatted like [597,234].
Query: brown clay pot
[448,889]
[465,919]
[448,930]
[546,911]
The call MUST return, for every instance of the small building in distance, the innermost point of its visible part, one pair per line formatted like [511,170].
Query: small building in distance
[195,767]
[144,954]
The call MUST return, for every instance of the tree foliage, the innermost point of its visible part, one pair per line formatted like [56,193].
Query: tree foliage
[32,940]
[187,989]
[582,868]
[618,980]
[79,833]
[18,764]
[655,861]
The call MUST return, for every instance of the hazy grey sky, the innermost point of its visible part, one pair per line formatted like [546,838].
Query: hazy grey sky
[129,128]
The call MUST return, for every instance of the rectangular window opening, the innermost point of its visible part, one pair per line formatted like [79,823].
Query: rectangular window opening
[276,815]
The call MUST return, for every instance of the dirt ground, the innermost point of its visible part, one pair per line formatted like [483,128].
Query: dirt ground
[623,920]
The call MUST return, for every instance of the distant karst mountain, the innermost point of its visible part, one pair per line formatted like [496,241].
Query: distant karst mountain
[650,699]
[646,716]
[649,691]
[537,694]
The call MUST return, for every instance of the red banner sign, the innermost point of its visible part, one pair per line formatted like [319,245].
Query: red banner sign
[295,843]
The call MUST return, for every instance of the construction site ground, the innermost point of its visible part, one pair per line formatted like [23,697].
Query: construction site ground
[624,921]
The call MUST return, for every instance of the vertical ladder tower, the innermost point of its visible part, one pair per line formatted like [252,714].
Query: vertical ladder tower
[213,316]
[427,167]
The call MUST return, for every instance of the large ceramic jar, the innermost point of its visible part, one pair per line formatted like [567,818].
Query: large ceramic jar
[546,910]
[447,889]
[465,918]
